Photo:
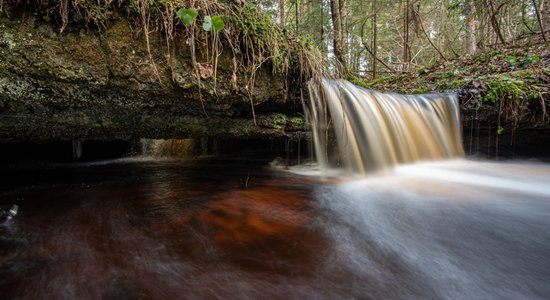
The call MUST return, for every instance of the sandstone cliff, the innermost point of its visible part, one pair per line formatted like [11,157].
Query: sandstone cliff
[102,84]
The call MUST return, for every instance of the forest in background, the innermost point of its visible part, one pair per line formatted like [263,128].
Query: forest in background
[375,38]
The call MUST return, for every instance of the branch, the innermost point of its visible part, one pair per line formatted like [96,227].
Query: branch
[525,22]
[426,34]
[494,20]
[370,52]
[537,12]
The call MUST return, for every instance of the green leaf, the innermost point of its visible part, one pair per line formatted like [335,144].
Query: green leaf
[207,23]
[187,16]
[500,130]
[217,23]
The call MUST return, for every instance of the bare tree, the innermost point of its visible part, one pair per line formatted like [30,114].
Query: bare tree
[469,11]
[494,19]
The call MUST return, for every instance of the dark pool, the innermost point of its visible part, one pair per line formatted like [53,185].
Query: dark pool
[238,229]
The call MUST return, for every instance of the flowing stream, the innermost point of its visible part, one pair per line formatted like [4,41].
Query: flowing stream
[376,130]
[431,225]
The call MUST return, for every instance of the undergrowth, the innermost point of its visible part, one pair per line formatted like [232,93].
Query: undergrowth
[512,80]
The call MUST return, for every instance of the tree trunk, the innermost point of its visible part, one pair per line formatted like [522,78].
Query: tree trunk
[469,11]
[406,51]
[539,20]
[337,25]
[344,35]
[282,17]
[494,22]
[546,15]
[299,14]
[322,32]
[374,46]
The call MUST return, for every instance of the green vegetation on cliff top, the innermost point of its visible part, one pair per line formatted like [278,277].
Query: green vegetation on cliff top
[512,79]
[526,67]
[251,35]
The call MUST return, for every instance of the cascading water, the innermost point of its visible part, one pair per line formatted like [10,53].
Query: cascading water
[375,130]
[175,148]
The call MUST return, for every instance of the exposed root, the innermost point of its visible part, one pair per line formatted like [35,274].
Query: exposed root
[144,10]
[251,35]
[64,12]
[544,117]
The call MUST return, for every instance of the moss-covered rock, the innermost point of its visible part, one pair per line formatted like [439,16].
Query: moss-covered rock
[104,83]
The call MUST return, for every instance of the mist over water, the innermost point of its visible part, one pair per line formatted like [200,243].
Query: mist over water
[460,229]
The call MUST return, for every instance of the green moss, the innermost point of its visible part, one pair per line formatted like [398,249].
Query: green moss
[261,35]
[280,119]
[398,78]
[523,74]
[380,80]
[358,82]
[482,58]
[534,96]
[7,40]
[297,121]
[503,87]
[389,80]
[445,85]
[421,90]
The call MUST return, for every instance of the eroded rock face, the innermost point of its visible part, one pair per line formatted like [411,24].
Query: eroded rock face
[102,85]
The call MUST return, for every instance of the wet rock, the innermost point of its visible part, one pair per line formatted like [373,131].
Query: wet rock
[104,85]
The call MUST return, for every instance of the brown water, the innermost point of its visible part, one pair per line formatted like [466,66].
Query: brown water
[375,131]
[200,230]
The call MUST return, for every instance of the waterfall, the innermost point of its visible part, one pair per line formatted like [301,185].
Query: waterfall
[170,148]
[365,131]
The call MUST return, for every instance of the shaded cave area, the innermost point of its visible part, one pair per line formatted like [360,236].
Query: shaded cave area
[480,142]
[278,150]
[521,144]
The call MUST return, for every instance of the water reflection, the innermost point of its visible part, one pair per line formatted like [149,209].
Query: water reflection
[182,230]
